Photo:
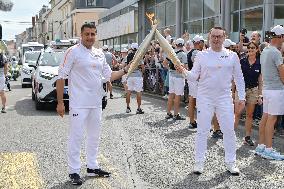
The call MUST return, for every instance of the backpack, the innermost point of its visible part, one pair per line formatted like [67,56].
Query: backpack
[189,61]
[1,60]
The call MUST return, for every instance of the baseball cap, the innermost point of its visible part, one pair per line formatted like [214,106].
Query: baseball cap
[124,50]
[228,42]
[278,30]
[197,38]
[180,42]
[134,46]
[105,47]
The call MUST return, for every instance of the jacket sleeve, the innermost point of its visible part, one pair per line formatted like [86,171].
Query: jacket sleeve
[238,77]
[106,72]
[194,73]
[66,64]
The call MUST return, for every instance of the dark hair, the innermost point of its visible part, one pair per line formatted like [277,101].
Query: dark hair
[218,28]
[256,45]
[157,50]
[88,25]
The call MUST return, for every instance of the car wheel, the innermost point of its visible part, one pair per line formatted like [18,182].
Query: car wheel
[23,85]
[38,105]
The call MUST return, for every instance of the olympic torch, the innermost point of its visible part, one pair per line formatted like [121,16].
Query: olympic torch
[168,49]
[144,45]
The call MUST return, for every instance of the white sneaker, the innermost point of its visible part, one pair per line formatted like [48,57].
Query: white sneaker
[232,168]
[165,97]
[198,168]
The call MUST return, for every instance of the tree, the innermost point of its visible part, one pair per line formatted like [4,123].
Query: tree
[6,5]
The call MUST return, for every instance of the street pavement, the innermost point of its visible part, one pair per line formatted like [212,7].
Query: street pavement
[142,151]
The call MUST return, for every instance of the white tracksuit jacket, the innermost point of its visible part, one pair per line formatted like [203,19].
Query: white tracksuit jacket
[214,72]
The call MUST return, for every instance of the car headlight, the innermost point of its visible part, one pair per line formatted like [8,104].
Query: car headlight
[26,71]
[47,76]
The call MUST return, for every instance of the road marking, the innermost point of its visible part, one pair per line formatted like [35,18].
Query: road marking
[19,170]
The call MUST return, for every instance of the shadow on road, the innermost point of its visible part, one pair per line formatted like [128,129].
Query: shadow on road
[183,133]
[16,86]
[119,116]
[68,185]
[26,107]
[160,123]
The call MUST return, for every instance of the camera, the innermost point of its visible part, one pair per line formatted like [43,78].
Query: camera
[244,31]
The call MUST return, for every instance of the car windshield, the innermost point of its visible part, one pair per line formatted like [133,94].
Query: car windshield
[51,58]
[31,56]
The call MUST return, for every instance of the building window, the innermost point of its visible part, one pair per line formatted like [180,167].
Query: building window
[279,15]
[250,3]
[161,14]
[278,2]
[193,27]
[170,13]
[210,23]
[195,9]
[211,8]
[91,3]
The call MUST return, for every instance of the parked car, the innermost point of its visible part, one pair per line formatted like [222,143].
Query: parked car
[29,64]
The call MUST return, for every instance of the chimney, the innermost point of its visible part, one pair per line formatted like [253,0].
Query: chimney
[33,21]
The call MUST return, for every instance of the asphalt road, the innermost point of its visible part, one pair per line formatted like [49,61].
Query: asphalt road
[142,151]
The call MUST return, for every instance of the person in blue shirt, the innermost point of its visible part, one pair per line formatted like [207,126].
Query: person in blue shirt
[251,69]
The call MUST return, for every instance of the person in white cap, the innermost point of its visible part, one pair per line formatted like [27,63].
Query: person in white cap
[111,60]
[272,69]
[3,73]
[198,43]
[85,67]
[176,82]
[135,81]
[215,68]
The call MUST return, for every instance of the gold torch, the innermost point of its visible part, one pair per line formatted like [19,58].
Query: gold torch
[144,45]
[168,49]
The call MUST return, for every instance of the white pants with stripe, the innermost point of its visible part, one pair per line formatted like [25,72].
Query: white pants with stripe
[80,120]
[225,116]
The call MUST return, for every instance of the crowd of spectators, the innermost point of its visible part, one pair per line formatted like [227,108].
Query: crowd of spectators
[156,74]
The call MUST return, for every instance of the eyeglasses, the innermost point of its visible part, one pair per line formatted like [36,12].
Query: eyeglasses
[251,47]
[217,36]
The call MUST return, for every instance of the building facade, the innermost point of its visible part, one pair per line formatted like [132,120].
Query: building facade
[198,16]
[118,26]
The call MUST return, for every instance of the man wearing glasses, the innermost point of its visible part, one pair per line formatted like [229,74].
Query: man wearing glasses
[272,69]
[215,68]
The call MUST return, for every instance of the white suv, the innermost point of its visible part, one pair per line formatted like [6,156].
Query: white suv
[44,80]
[29,64]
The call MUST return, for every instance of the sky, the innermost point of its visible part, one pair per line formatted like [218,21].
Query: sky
[22,11]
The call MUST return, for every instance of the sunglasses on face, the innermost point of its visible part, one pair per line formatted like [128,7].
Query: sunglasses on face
[251,47]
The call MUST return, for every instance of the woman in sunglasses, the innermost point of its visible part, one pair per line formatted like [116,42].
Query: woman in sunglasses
[251,69]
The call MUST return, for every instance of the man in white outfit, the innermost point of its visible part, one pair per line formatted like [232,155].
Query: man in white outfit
[85,68]
[215,68]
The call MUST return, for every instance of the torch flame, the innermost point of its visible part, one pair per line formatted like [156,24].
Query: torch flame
[150,17]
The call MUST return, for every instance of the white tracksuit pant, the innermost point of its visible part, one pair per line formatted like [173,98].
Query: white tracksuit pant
[225,115]
[79,120]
